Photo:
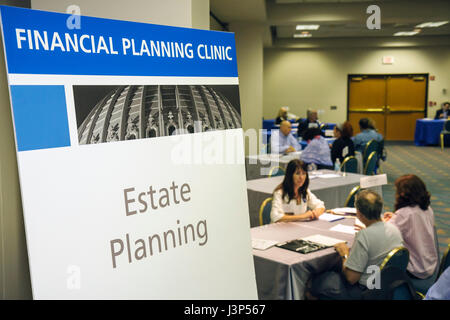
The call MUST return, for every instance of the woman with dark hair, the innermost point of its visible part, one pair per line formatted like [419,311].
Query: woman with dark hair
[414,218]
[343,145]
[292,197]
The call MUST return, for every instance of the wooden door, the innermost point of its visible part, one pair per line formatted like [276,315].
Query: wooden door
[405,103]
[393,102]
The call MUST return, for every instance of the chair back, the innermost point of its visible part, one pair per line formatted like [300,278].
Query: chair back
[369,168]
[398,258]
[276,171]
[371,146]
[350,201]
[350,164]
[445,263]
[323,126]
[447,126]
[264,211]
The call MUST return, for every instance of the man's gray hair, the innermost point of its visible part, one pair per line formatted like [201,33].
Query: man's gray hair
[369,203]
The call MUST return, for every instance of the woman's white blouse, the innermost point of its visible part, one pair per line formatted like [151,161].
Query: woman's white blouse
[281,206]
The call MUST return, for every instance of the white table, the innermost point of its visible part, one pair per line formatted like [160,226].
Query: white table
[282,274]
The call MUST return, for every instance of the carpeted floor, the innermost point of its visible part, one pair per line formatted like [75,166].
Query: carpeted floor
[433,166]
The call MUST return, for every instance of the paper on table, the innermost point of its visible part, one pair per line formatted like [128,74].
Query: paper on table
[344,210]
[359,223]
[330,217]
[326,241]
[344,229]
[329,175]
[261,244]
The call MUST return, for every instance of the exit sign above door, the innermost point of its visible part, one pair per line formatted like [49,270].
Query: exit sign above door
[388,60]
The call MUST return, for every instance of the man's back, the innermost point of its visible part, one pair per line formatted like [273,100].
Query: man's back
[371,246]
[365,136]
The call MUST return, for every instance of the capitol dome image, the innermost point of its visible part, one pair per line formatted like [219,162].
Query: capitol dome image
[137,112]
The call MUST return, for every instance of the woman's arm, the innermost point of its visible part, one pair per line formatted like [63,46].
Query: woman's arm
[297,217]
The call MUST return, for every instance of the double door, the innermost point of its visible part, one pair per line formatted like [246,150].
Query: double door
[393,102]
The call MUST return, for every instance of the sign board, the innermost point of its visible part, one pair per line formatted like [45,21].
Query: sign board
[130,155]
[373,181]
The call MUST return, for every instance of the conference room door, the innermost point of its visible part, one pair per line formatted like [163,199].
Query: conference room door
[393,102]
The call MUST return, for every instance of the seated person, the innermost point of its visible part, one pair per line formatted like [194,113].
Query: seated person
[317,151]
[350,278]
[343,145]
[282,141]
[444,112]
[366,134]
[440,290]
[282,115]
[292,197]
[414,218]
[310,122]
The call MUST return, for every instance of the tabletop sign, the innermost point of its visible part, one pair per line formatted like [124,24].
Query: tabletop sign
[130,155]
[373,181]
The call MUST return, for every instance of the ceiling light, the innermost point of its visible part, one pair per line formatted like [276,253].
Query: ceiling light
[302,35]
[406,33]
[307,27]
[431,24]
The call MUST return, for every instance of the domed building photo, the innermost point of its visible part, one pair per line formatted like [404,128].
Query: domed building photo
[116,113]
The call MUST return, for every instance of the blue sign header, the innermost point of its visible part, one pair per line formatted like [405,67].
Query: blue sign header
[39,42]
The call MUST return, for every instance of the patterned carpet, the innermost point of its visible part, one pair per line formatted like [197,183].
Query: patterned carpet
[433,166]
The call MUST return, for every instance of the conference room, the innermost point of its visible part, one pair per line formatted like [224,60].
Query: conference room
[300,149]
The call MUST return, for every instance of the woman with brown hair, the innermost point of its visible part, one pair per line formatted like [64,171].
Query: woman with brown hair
[414,218]
[292,197]
[343,145]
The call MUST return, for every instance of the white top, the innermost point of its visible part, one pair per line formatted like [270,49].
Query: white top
[282,206]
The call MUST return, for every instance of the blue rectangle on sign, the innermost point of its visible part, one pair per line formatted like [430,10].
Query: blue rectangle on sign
[40,42]
[40,117]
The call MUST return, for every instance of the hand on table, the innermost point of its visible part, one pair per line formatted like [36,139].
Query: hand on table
[387,216]
[290,149]
[342,249]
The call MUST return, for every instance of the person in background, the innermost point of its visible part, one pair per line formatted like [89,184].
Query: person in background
[366,134]
[350,278]
[282,141]
[343,145]
[282,115]
[414,218]
[292,197]
[311,121]
[440,290]
[317,151]
[444,112]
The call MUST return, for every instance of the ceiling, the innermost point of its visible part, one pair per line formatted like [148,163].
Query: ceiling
[342,22]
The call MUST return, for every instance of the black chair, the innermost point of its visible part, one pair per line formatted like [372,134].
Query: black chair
[445,263]
[370,147]
[398,257]
[350,201]
[371,163]
[444,132]
[276,171]
[264,211]
[350,164]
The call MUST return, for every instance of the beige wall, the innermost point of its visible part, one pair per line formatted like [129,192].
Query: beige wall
[249,49]
[180,13]
[318,78]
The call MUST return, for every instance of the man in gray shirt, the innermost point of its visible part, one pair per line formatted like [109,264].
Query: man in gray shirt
[371,246]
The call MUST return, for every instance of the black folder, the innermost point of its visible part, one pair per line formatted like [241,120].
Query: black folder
[302,246]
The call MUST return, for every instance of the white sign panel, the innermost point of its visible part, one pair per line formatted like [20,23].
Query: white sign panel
[130,154]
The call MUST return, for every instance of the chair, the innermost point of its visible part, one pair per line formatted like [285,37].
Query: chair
[276,171]
[350,164]
[445,263]
[370,147]
[445,132]
[398,257]
[323,126]
[264,211]
[369,168]
[350,201]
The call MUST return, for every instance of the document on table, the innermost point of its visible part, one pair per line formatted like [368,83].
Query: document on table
[326,241]
[344,211]
[261,244]
[359,223]
[330,217]
[344,229]
[329,175]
